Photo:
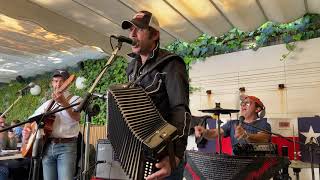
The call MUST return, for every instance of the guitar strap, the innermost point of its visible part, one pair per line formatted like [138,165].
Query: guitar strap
[69,97]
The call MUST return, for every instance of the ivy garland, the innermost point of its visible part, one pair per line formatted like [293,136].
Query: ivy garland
[270,33]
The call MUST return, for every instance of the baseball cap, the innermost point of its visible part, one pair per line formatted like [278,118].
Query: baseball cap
[142,19]
[256,100]
[61,73]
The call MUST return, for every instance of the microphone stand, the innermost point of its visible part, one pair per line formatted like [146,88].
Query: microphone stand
[35,118]
[9,108]
[91,110]
[37,148]
[310,144]
[21,93]
[85,103]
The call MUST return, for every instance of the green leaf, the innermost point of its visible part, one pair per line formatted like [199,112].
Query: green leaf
[291,46]
[297,37]
[196,52]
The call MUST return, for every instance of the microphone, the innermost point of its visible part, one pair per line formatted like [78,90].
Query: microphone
[241,119]
[101,96]
[30,85]
[125,39]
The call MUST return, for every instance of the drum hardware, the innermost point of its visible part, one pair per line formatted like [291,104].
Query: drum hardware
[217,111]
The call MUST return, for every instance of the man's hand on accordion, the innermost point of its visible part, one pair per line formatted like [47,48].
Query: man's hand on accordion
[164,169]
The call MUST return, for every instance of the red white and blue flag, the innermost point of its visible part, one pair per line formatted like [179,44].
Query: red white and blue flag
[309,131]
[287,127]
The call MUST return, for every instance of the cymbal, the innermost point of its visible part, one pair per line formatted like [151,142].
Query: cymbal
[301,165]
[219,110]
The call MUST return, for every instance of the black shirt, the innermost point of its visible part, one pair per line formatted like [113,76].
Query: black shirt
[168,87]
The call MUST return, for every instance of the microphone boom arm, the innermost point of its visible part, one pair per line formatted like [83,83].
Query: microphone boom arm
[38,117]
[88,95]
[10,107]
[272,133]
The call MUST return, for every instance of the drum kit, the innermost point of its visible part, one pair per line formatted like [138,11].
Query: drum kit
[296,165]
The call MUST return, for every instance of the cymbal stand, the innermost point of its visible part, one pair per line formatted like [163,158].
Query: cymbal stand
[219,122]
[217,111]
[311,147]
[296,171]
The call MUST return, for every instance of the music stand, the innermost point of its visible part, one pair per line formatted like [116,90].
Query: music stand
[217,111]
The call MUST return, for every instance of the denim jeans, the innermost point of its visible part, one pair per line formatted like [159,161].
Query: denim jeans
[4,172]
[59,161]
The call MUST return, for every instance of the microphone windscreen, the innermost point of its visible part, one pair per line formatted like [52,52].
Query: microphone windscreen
[241,119]
[31,85]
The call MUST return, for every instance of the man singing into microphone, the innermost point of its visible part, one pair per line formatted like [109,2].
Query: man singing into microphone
[164,77]
[242,133]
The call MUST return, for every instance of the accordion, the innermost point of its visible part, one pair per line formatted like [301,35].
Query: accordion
[138,133]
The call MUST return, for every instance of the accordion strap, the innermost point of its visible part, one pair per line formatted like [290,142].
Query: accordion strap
[160,62]
[172,158]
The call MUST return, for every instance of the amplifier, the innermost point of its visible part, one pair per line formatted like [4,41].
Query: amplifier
[107,165]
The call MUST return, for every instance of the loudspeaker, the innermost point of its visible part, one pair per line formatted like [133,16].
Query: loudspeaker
[109,168]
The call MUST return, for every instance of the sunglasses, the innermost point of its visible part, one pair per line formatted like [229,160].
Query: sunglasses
[245,103]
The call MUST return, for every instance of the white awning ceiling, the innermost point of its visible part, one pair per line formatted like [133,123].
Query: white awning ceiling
[78,25]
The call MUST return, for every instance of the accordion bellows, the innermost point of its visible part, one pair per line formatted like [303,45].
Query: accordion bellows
[137,131]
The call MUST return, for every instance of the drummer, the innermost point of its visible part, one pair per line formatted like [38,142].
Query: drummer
[251,107]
